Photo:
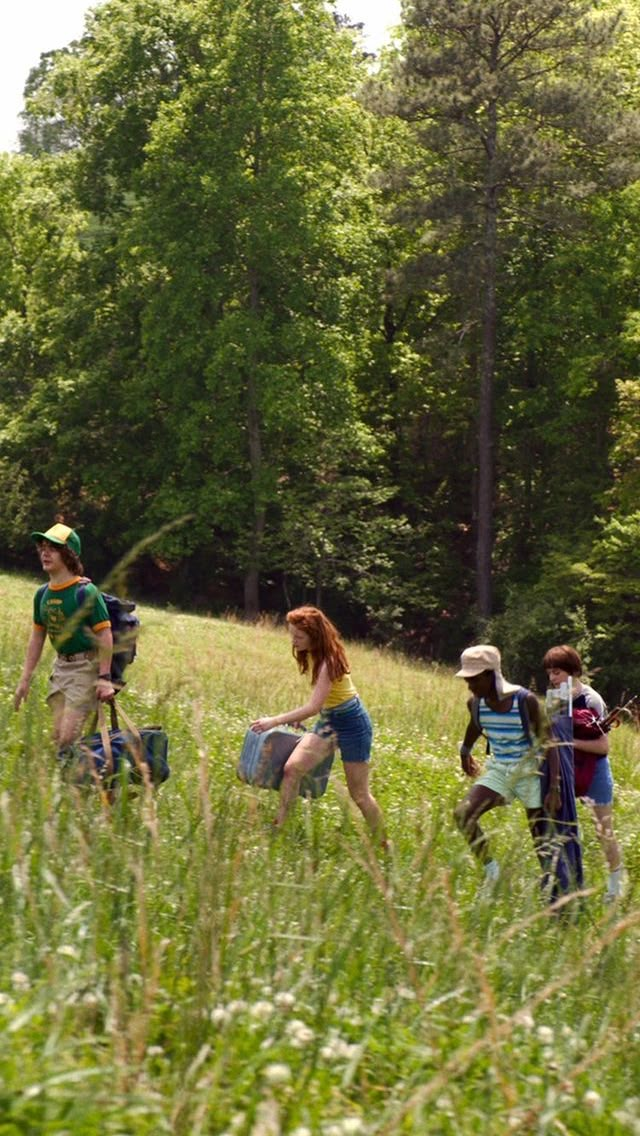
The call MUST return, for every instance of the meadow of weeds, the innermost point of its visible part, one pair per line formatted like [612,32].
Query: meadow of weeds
[169,965]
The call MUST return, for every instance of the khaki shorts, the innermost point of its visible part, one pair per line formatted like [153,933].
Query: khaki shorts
[514,780]
[75,680]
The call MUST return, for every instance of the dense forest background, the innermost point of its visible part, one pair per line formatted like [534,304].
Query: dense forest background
[373,329]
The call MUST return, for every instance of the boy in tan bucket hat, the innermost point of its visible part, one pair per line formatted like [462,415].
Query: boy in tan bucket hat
[509,716]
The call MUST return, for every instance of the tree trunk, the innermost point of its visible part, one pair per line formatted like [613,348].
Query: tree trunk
[252,573]
[484,544]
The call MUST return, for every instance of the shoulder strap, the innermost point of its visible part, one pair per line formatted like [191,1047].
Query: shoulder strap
[39,594]
[523,707]
[81,596]
[474,710]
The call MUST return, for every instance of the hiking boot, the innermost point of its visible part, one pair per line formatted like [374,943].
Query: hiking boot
[491,877]
[615,886]
[491,873]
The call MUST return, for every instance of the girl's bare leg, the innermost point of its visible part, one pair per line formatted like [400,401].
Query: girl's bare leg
[309,752]
[357,775]
[603,818]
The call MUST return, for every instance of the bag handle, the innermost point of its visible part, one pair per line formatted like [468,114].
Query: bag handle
[104,734]
[136,747]
[115,725]
[127,721]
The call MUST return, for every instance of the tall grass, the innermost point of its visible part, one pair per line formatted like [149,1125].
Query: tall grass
[171,966]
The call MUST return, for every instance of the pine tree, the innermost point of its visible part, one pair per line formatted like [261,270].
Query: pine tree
[516,122]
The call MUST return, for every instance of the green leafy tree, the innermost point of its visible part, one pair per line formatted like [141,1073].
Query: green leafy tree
[225,160]
[516,119]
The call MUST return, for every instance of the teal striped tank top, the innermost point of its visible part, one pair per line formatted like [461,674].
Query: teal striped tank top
[506,736]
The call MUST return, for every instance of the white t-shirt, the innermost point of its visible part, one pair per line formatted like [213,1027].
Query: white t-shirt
[592,699]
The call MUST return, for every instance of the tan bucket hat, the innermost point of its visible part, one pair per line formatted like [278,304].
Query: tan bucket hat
[484,657]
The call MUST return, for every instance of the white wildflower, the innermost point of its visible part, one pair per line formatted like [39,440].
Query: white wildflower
[348,1126]
[299,1033]
[67,951]
[631,1122]
[337,1049]
[261,1011]
[20,980]
[155,1050]
[351,1126]
[284,1000]
[545,1035]
[219,1016]
[406,993]
[524,1019]
[592,1100]
[277,1073]
[238,1006]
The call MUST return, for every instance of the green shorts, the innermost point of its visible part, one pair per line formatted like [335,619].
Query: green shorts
[514,780]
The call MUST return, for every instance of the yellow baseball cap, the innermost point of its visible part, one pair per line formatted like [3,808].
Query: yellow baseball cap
[60,534]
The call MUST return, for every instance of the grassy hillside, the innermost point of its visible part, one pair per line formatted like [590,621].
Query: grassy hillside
[171,966]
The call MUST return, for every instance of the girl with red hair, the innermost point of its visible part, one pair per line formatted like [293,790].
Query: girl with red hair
[343,722]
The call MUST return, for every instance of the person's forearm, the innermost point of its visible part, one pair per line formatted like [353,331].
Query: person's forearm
[299,715]
[32,657]
[553,761]
[105,650]
[599,746]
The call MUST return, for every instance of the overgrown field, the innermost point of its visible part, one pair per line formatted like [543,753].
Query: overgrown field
[171,966]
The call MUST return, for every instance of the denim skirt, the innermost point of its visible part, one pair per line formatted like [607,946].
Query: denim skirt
[349,725]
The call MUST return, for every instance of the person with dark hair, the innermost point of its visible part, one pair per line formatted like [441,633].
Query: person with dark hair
[344,722]
[81,636]
[594,779]
[509,717]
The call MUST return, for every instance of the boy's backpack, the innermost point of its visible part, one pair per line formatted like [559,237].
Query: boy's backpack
[521,698]
[125,627]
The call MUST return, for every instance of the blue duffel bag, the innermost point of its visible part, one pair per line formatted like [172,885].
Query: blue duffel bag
[264,756]
[108,757]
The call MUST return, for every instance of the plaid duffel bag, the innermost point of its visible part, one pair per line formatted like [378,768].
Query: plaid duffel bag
[263,758]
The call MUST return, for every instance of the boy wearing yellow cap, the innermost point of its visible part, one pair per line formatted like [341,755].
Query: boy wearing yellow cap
[81,636]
